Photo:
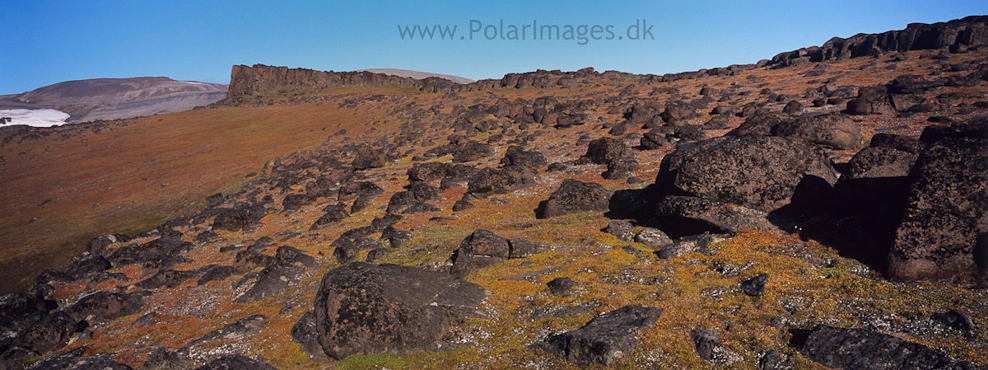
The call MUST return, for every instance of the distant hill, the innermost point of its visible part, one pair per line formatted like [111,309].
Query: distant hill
[417,75]
[118,98]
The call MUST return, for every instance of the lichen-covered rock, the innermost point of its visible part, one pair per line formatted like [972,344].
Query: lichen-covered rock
[366,309]
[946,211]
[760,172]
[866,349]
[605,339]
[576,196]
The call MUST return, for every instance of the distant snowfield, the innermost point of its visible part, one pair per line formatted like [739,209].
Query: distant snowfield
[34,117]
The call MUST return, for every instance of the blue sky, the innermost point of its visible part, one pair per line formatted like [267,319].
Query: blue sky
[45,42]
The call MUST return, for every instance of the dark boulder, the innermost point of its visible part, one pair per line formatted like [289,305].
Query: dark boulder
[759,172]
[239,219]
[105,306]
[490,181]
[470,151]
[653,238]
[693,214]
[483,242]
[334,214]
[834,130]
[623,230]
[755,286]
[606,149]
[706,343]
[605,339]
[75,360]
[235,362]
[158,253]
[866,349]
[880,161]
[562,287]
[947,209]
[653,140]
[293,202]
[367,157]
[576,196]
[427,171]
[677,111]
[354,189]
[871,100]
[366,309]
[516,156]
[793,107]
[761,123]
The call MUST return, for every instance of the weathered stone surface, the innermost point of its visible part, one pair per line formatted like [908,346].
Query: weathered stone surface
[871,100]
[706,214]
[490,181]
[946,212]
[366,309]
[75,360]
[881,161]
[866,349]
[562,287]
[755,286]
[621,229]
[605,339]
[833,130]
[576,196]
[653,238]
[759,172]
[235,362]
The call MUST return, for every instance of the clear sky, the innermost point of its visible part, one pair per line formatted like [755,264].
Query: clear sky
[45,42]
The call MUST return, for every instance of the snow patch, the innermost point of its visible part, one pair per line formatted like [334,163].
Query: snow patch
[35,117]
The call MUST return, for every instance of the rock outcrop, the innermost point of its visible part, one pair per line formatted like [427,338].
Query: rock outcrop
[957,34]
[365,309]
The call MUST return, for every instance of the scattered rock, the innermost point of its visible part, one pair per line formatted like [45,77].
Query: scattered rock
[945,215]
[605,339]
[871,100]
[755,286]
[366,309]
[491,181]
[621,229]
[866,349]
[653,238]
[760,172]
[576,196]
[562,287]
[834,130]
[235,362]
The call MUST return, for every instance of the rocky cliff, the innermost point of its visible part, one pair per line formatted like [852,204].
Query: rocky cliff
[957,35]
[259,78]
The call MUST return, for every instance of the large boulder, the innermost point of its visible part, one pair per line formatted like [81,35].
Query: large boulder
[516,156]
[871,100]
[686,214]
[605,339]
[677,111]
[946,213]
[866,349]
[759,172]
[606,150]
[491,181]
[368,157]
[576,196]
[366,309]
[834,130]
[483,249]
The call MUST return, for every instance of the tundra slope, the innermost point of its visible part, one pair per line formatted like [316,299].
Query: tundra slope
[755,273]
